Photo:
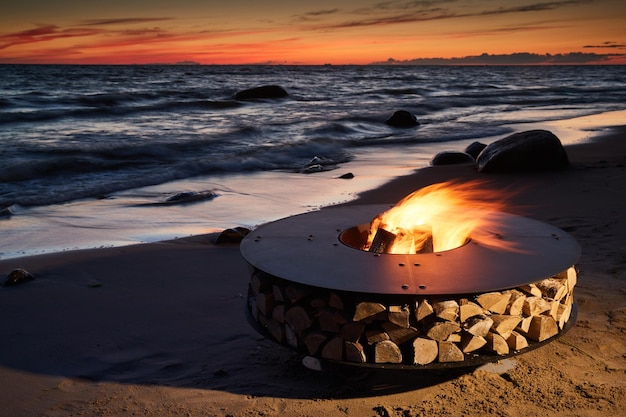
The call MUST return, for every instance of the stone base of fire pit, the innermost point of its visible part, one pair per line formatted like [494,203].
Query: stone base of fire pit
[388,330]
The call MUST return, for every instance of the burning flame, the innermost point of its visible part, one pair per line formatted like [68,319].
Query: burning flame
[442,215]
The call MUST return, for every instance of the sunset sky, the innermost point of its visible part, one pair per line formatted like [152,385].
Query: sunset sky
[306,32]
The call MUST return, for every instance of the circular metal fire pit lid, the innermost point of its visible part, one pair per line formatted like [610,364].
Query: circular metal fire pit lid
[306,249]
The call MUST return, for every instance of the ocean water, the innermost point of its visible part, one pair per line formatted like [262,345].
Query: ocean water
[99,155]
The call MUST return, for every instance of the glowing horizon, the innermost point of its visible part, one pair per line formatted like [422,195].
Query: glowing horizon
[320,32]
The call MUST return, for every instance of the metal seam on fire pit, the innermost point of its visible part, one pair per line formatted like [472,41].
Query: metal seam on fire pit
[305,249]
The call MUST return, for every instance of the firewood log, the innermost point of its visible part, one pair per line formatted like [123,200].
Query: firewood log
[299,320]
[317,303]
[425,351]
[534,306]
[387,352]
[254,311]
[333,349]
[496,343]
[442,330]
[335,301]
[504,324]
[542,328]
[496,302]
[399,315]
[355,352]
[454,338]
[327,321]
[449,352]
[469,309]
[260,282]
[382,242]
[571,277]
[276,329]
[516,303]
[278,313]
[265,302]
[552,288]
[290,336]
[423,310]
[314,340]
[398,334]
[516,341]
[279,295]
[531,289]
[374,336]
[554,309]
[524,325]
[367,310]
[446,310]
[478,325]
[295,292]
[563,314]
[470,343]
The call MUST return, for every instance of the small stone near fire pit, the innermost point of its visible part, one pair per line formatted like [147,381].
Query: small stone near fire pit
[17,276]
[231,236]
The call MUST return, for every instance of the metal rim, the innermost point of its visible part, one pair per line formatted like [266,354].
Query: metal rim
[306,249]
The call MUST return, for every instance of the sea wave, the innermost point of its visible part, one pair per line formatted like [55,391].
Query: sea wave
[69,132]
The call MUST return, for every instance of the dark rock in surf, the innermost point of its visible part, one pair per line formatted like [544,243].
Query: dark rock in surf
[265,91]
[232,236]
[318,164]
[402,118]
[346,176]
[5,212]
[475,148]
[18,276]
[532,150]
[451,158]
[186,197]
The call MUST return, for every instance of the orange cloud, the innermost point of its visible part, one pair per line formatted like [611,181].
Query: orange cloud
[44,33]
[129,20]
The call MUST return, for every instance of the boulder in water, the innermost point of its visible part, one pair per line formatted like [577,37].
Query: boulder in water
[264,91]
[475,148]
[402,118]
[6,212]
[451,158]
[532,150]
[186,197]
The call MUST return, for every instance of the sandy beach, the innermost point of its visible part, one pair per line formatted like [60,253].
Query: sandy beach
[159,329]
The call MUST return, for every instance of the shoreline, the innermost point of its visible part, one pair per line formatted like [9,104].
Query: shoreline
[244,200]
[588,154]
[158,329]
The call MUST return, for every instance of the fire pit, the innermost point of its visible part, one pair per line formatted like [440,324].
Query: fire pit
[315,289]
